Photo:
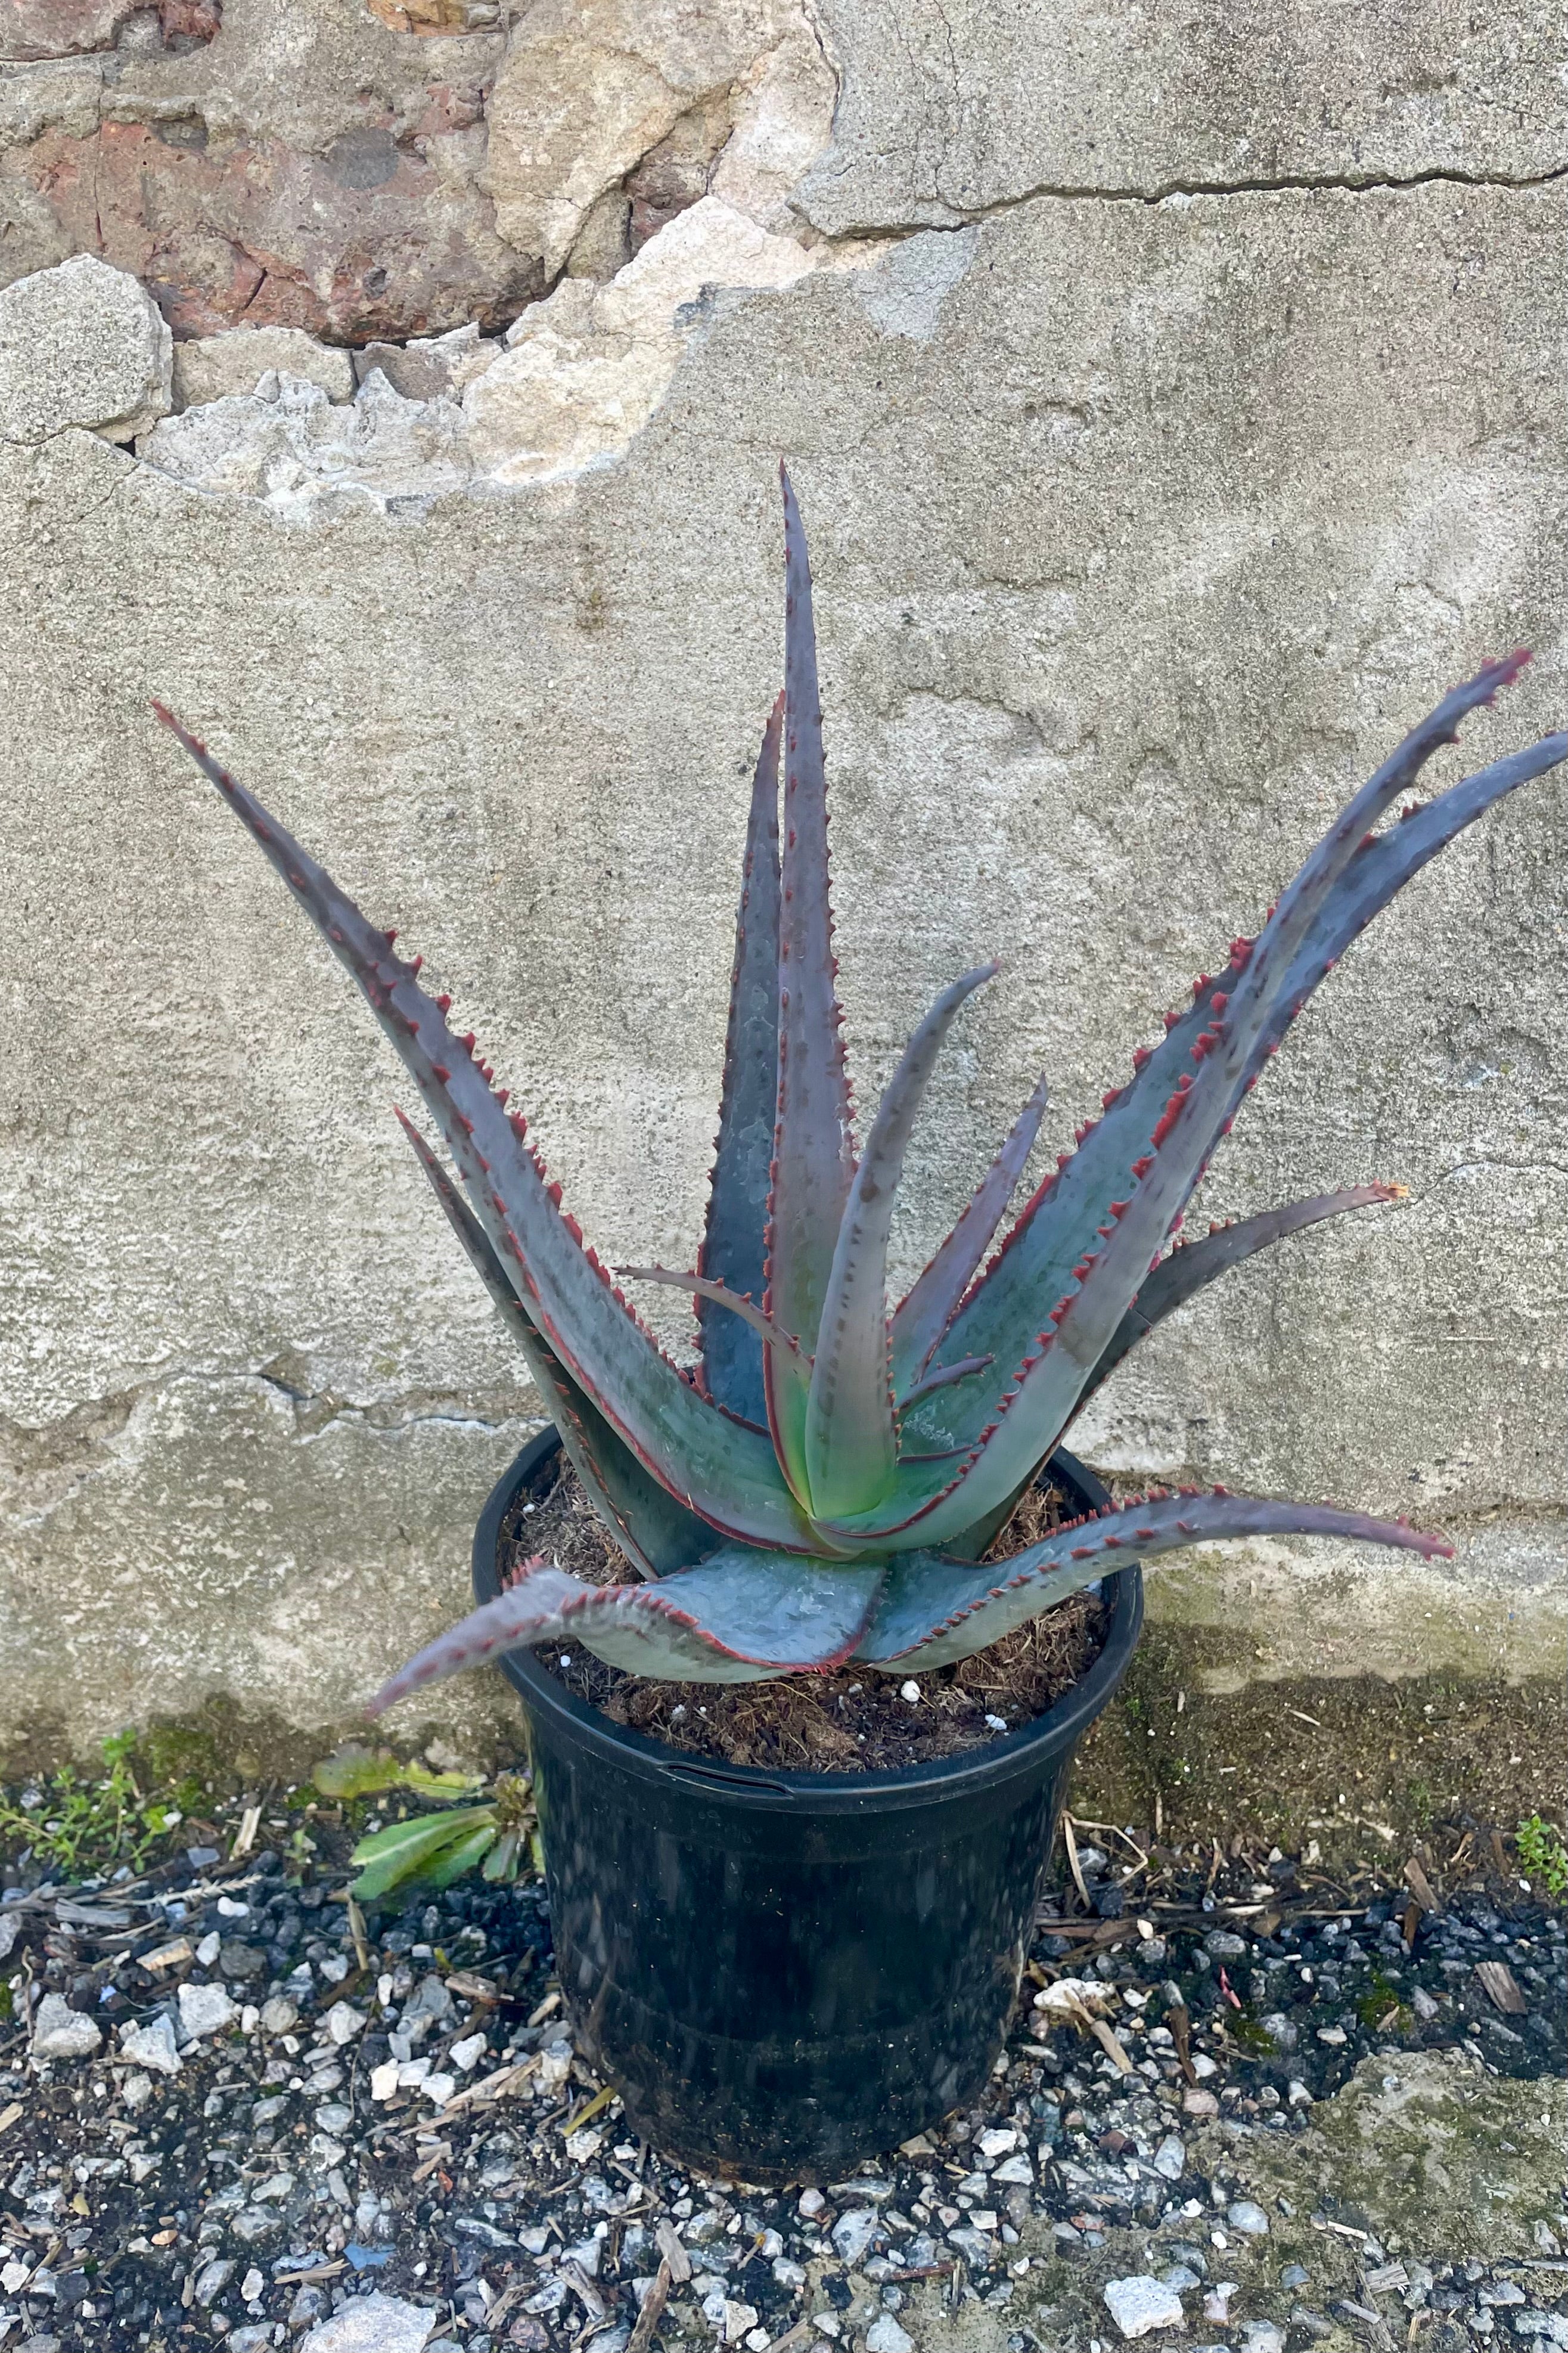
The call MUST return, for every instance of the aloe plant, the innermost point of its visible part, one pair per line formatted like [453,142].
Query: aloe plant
[821,1482]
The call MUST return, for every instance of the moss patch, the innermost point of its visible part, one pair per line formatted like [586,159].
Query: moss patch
[1343,1761]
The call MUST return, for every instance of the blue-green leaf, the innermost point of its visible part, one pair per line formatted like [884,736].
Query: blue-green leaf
[735,1244]
[813,1163]
[742,1616]
[656,1532]
[925,1313]
[851,1435]
[715,1465]
[933,1610]
[1193,1265]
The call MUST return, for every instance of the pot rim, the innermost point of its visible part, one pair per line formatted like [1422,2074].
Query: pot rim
[957,1777]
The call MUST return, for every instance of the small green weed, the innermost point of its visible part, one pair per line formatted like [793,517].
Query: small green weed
[1383,2003]
[421,1854]
[80,1826]
[1541,1852]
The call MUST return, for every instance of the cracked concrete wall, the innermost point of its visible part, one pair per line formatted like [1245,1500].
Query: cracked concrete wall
[1145,522]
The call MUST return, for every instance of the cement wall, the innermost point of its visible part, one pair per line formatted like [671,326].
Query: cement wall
[1175,407]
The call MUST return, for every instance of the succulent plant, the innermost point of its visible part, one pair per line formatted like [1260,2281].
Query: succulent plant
[822,1483]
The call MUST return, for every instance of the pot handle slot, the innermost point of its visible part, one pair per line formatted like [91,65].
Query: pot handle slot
[713,1777]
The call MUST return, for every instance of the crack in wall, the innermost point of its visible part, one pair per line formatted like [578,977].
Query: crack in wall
[1168,191]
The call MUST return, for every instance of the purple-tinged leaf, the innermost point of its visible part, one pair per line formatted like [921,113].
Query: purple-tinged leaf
[734,1244]
[924,1315]
[744,1616]
[934,1611]
[1383,865]
[851,1430]
[715,1466]
[656,1534]
[1080,1326]
[940,1379]
[1193,1264]
[1241,1021]
[814,1159]
[718,1296]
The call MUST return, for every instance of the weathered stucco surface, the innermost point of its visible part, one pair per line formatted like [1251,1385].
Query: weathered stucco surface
[1145,523]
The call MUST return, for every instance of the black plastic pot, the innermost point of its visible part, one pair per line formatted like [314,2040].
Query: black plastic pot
[786,1974]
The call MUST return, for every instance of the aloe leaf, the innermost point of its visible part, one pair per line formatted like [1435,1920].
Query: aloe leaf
[1191,1265]
[1222,1060]
[740,1617]
[934,1611]
[851,1431]
[1383,865]
[966,1368]
[655,1531]
[734,1242]
[711,1463]
[1190,1107]
[813,1157]
[718,1295]
[923,1317]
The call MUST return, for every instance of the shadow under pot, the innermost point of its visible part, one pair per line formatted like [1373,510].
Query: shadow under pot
[786,1974]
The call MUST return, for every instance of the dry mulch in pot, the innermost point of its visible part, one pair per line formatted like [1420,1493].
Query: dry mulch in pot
[854,1720]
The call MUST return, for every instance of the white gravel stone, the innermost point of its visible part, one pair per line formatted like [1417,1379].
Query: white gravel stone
[910,1691]
[280,2014]
[152,2046]
[1170,2157]
[1262,2337]
[343,2021]
[468,2051]
[206,2009]
[383,2080]
[1142,2302]
[1247,2218]
[998,2141]
[61,2032]
[554,2064]
[852,2234]
[371,2324]
[213,2278]
[885,2336]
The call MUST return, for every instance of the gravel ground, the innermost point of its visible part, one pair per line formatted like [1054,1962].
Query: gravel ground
[247,2114]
